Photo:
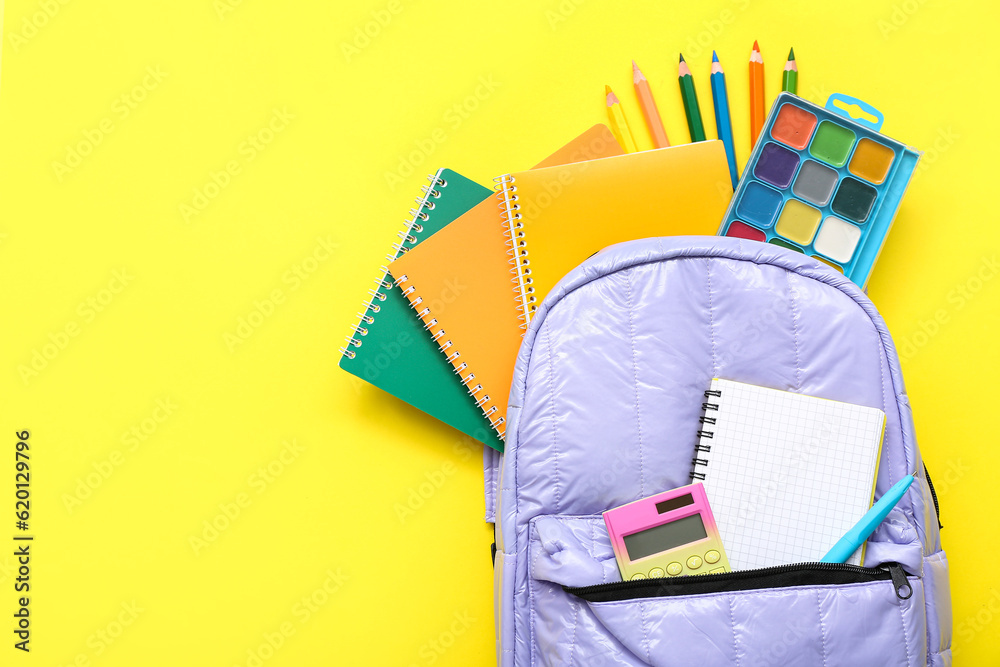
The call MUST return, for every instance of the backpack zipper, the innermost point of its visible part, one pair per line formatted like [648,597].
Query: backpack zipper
[937,508]
[731,581]
[493,547]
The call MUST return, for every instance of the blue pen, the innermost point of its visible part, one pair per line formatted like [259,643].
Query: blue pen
[723,123]
[857,535]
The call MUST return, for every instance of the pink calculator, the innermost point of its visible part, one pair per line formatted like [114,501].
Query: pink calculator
[667,535]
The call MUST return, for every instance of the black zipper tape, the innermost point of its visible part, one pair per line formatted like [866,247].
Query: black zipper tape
[937,508]
[493,547]
[781,576]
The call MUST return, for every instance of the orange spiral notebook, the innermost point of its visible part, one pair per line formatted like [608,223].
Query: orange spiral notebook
[459,282]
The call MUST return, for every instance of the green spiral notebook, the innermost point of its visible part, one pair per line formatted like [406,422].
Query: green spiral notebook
[389,348]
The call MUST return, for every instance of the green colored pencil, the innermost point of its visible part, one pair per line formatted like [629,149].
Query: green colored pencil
[790,77]
[690,99]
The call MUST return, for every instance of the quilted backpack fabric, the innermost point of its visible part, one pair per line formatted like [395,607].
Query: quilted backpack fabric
[604,409]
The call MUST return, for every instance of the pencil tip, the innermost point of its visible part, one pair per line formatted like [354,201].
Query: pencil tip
[637,75]
[755,47]
[715,58]
[682,57]
[791,54]
[607,89]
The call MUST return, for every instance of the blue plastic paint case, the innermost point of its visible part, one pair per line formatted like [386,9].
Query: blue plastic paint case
[823,183]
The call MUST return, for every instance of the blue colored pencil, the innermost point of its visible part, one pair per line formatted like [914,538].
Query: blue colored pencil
[723,123]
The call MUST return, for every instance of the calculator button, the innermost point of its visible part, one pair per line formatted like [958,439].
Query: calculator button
[718,569]
[674,569]
[694,562]
[712,556]
[656,572]
[638,575]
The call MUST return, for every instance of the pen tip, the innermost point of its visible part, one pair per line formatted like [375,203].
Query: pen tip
[715,58]
[682,57]
[791,54]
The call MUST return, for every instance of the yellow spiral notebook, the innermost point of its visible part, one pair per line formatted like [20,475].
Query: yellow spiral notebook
[466,282]
[559,216]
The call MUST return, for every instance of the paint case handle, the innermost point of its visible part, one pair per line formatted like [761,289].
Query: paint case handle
[848,101]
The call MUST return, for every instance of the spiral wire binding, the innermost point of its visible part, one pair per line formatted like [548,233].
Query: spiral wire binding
[407,240]
[459,367]
[704,434]
[513,232]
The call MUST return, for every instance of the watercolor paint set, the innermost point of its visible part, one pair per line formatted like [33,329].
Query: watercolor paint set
[822,183]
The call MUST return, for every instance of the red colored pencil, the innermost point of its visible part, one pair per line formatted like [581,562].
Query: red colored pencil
[756,94]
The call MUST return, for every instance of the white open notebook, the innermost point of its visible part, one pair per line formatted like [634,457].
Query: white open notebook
[786,474]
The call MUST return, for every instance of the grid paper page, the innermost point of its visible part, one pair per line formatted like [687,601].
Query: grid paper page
[787,474]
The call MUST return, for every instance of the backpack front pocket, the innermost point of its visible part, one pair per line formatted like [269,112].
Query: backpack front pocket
[807,614]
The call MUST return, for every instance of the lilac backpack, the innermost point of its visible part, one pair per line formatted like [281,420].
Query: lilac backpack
[604,410]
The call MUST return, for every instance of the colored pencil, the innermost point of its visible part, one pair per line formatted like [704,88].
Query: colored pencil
[756,93]
[649,110]
[619,126]
[723,122]
[790,77]
[690,98]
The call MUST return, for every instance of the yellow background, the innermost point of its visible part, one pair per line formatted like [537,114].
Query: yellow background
[319,550]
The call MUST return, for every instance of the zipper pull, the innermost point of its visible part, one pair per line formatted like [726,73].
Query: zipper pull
[899,581]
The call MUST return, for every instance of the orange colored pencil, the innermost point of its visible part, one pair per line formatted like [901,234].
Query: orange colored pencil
[756,94]
[619,126]
[649,110]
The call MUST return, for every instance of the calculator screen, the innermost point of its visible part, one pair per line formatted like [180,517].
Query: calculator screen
[674,503]
[664,537]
